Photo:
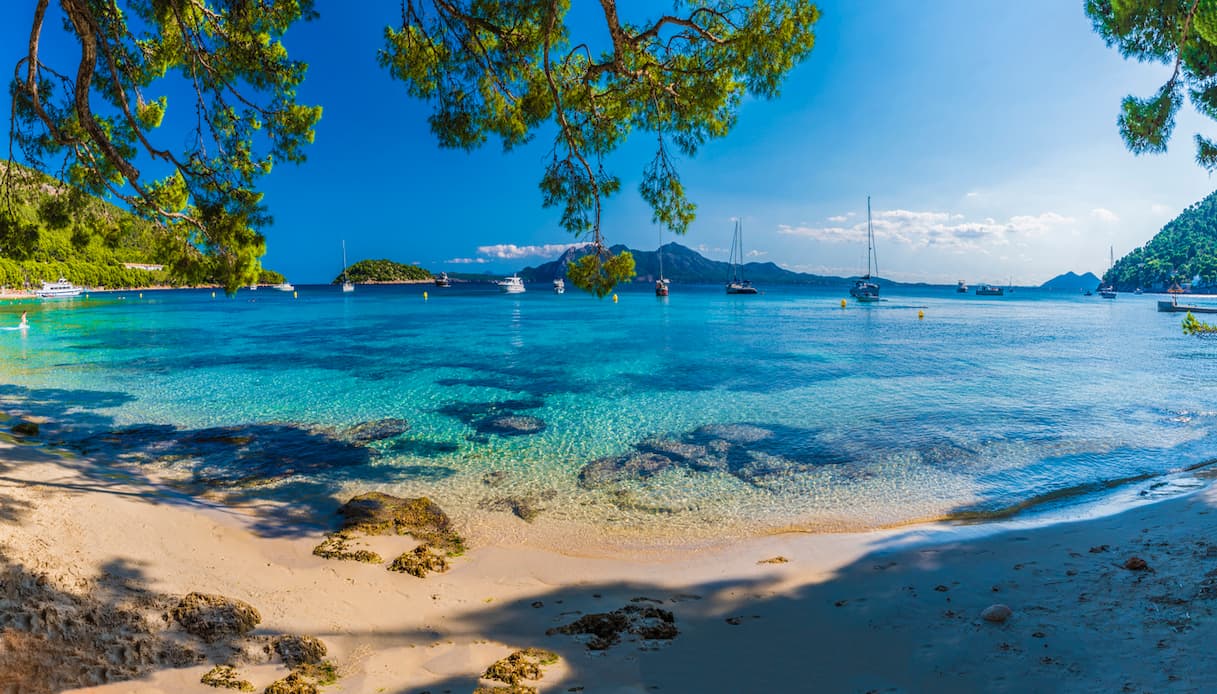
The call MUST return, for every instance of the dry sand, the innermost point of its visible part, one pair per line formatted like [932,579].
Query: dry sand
[93,559]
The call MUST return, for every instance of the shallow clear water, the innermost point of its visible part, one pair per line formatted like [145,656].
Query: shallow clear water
[695,415]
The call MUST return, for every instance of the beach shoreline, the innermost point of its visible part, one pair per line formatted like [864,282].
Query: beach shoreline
[764,612]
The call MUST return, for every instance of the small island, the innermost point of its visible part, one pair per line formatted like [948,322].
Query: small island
[383,272]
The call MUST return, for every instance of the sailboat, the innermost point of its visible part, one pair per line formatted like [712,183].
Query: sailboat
[1109,291]
[736,284]
[864,289]
[347,287]
[661,284]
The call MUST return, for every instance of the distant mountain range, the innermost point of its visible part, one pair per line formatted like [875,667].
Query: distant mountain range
[1071,281]
[683,265]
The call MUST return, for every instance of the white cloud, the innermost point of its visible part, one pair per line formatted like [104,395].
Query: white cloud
[467,261]
[1104,215]
[510,251]
[838,218]
[703,248]
[757,254]
[938,229]
[1159,208]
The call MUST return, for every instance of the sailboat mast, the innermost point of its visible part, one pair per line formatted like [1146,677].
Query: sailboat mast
[870,239]
[344,260]
[660,252]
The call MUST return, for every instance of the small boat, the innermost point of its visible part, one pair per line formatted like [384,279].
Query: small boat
[559,286]
[442,280]
[1108,291]
[865,290]
[511,285]
[284,287]
[347,286]
[1087,293]
[989,290]
[62,289]
[961,288]
[661,284]
[253,287]
[736,284]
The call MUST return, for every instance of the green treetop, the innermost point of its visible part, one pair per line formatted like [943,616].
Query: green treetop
[93,121]
[1178,33]
[509,69]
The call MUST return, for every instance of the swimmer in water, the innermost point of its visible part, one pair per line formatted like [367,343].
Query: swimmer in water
[24,322]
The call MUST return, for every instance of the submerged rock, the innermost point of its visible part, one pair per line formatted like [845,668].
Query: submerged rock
[996,613]
[614,470]
[215,617]
[226,677]
[734,433]
[25,429]
[606,628]
[522,665]
[524,508]
[376,513]
[1136,564]
[511,425]
[299,650]
[419,562]
[377,430]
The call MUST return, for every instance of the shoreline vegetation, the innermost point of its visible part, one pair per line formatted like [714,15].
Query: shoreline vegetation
[93,555]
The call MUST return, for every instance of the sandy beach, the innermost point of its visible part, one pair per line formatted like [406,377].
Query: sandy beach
[95,561]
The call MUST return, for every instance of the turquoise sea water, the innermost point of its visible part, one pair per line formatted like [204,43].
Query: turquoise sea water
[699,414]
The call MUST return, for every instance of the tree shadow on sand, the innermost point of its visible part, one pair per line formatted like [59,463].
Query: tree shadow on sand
[286,472]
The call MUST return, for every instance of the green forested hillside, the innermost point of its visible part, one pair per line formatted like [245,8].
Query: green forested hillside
[1186,247]
[383,271]
[40,240]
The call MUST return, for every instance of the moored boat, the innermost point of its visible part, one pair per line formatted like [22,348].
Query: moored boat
[62,289]
[284,287]
[736,284]
[866,290]
[559,286]
[511,285]
[347,286]
[961,288]
[442,280]
[989,290]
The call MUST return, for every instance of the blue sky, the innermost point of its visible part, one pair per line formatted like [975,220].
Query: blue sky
[984,132]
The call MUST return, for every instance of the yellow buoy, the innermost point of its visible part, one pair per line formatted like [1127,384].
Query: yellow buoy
[141,295]
[213,295]
[920,315]
[424,296]
[295,295]
[614,298]
[843,303]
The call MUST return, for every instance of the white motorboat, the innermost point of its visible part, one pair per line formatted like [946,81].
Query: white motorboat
[284,287]
[559,286]
[62,289]
[443,280]
[511,285]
